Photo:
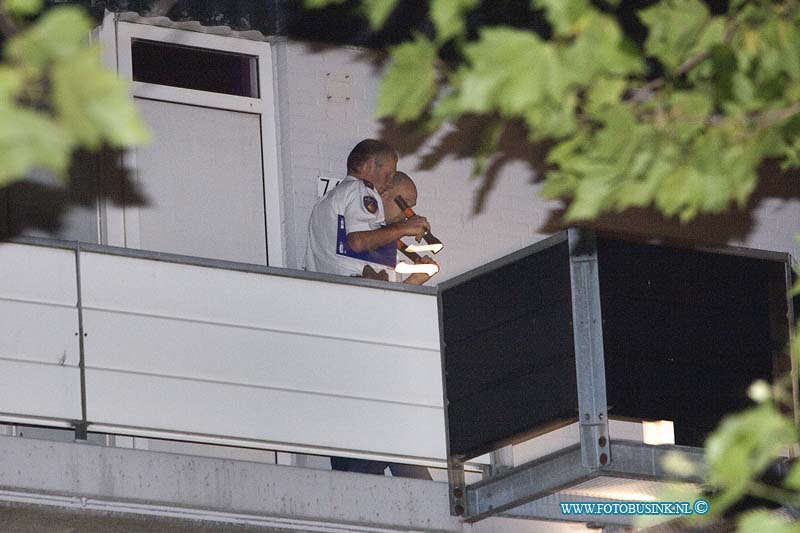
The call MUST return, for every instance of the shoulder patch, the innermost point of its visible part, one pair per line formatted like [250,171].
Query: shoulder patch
[370,204]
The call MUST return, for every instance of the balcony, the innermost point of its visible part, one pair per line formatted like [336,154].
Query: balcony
[146,344]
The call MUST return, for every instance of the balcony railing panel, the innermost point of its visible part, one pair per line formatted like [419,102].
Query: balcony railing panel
[294,363]
[39,343]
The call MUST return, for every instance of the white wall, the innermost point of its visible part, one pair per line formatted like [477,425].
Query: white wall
[318,132]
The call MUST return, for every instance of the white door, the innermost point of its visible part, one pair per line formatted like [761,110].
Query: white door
[202,181]
[210,176]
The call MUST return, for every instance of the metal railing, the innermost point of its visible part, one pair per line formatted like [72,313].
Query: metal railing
[149,344]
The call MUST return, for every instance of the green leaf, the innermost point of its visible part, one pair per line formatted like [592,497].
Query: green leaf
[742,447]
[601,48]
[591,195]
[448,17]
[563,15]
[761,520]
[509,71]
[60,33]
[93,104]
[410,83]
[551,119]
[648,169]
[688,112]
[603,93]
[11,84]
[788,35]
[318,4]
[673,28]
[792,480]
[678,464]
[30,140]
[377,11]
[23,8]
[723,65]
[712,36]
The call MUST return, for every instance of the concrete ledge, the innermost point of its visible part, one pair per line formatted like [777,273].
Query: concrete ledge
[221,490]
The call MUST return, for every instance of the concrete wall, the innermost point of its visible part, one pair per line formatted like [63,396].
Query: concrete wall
[69,486]
[325,101]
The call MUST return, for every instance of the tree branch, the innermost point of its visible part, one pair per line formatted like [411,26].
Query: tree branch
[643,93]
[776,116]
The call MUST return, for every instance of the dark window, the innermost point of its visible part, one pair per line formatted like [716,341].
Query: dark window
[195,68]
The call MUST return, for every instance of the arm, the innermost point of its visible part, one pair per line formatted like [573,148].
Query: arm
[360,241]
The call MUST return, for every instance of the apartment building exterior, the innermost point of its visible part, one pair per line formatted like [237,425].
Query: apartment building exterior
[206,376]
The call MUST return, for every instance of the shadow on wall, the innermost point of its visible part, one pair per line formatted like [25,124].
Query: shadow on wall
[43,204]
[712,229]
[465,138]
[463,141]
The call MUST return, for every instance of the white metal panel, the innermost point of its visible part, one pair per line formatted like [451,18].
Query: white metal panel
[36,332]
[294,362]
[273,416]
[39,347]
[39,390]
[38,274]
[263,358]
[255,300]
[202,180]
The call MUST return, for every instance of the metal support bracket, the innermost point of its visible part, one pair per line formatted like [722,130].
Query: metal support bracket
[458,487]
[534,490]
[589,361]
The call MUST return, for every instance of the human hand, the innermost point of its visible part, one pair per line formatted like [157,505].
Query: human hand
[420,277]
[370,273]
[415,226]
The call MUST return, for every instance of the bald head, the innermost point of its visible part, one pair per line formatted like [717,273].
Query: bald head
[401,185]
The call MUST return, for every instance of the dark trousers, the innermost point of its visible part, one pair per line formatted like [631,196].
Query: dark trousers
[346,464]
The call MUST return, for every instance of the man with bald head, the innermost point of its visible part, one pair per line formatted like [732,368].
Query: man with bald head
[347,231]
[402,185]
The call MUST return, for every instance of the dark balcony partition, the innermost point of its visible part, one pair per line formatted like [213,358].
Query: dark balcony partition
[507,348]
[684,332]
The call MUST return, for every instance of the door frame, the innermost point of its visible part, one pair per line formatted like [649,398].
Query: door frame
[121,223]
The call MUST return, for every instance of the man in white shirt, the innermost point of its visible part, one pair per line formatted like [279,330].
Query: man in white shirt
[347,231]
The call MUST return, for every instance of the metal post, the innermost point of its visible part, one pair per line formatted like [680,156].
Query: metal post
[458,487]
[501,459]
[80,426]
[589,360]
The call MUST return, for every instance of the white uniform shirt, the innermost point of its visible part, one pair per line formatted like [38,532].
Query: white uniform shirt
[349,207]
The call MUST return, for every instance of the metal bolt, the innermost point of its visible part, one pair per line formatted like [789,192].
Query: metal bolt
[601,442]
[600,416]
[458,492]
[459,510]
[586,416]
[603,459]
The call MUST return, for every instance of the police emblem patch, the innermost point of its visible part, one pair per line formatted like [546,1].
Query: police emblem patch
[371,204]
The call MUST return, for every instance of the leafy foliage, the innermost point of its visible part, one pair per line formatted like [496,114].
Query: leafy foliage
[55,94]
[681,122]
